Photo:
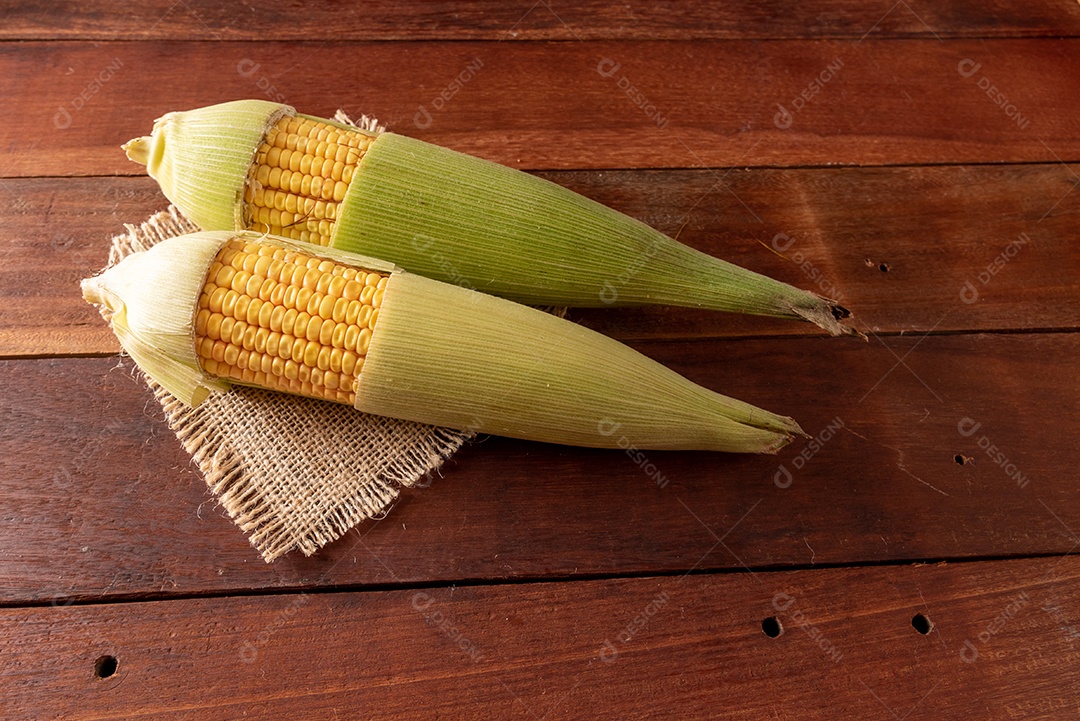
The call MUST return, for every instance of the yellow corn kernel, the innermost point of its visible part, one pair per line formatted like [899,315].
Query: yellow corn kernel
[200,321]
[299,177]
[285,320]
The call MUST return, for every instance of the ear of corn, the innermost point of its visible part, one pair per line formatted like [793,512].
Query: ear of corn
[156,301]
[300,176]
[451,356]
[207,180]
[200,311]
[259,165]
[281,319]
[154,322]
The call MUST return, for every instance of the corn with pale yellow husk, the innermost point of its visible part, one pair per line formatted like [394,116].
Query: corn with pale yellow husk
[202,311]
[259,165]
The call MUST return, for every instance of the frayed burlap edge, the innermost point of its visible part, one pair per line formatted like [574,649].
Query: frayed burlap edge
[292,472]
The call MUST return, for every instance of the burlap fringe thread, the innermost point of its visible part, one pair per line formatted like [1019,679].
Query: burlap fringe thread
[292,472]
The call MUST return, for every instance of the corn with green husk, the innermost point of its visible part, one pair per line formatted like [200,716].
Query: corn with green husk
[253,164]
[202,311]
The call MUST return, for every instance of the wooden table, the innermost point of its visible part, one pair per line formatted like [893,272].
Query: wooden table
[916,560]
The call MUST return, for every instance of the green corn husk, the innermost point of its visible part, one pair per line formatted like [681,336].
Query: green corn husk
[450,356]
[460,219]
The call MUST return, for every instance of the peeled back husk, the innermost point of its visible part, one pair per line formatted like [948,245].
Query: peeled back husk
[461,219]
[450,356]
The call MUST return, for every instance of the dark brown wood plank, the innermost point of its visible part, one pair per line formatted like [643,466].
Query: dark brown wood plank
[1003,645]
[99,500]
[527,20]
[909,249]
[595,105]
[56,232]
[934,229]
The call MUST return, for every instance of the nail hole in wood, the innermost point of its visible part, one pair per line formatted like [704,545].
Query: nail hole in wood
[772,627]
[105,666]
[960,460]
[884,267]
[921,623]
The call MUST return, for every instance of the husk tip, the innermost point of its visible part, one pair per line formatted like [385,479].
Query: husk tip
[92,290]
[138,149]
[827,315]
[782,440]
[795,429]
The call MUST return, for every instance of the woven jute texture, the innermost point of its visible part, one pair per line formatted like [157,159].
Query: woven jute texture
[292,472]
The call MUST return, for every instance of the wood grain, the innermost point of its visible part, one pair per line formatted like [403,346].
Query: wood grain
[1003,645]
[100,501]
[536,581]
[934,230]
[490,20]
[665,105]
[56,232]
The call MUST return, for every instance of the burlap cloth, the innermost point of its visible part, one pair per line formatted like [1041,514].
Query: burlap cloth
[292,472]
